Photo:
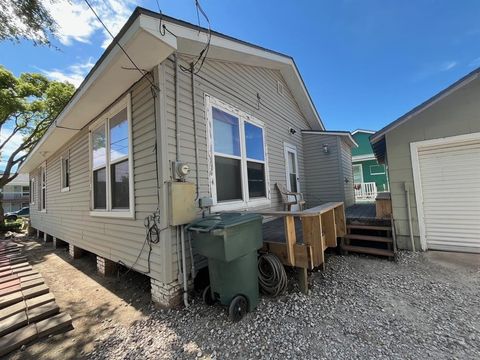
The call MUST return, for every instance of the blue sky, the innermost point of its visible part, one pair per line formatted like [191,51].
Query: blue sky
[365,63]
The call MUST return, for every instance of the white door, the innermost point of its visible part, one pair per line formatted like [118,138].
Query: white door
[447,179]
[291,166]
[357,174]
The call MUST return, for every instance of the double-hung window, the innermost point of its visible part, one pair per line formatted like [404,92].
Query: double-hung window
[239,174]
[65,172]
[111,163]
[32,191]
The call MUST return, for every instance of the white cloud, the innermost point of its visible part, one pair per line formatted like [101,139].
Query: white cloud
[447,65]
[76,22]
[74,74]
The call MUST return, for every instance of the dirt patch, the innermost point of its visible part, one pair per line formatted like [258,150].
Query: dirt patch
[96,304]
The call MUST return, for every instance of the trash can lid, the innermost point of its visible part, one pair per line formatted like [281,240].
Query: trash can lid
[223,221]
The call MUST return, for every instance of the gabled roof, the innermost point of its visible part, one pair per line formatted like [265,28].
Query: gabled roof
[378,136]
[148,47]
[345,134]
[363,131]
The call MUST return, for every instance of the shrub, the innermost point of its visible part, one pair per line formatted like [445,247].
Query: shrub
[16,225]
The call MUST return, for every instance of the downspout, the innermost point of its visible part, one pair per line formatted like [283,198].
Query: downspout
[184,268]
[177,92]
[192,73]
[409,214]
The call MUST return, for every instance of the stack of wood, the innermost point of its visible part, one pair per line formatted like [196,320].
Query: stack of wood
[27,309]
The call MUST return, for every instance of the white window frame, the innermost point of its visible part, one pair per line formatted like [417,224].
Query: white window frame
[377,173]
[32,191]
[64,188]
[361,172]
[43,185]
[243,117]
[104,120]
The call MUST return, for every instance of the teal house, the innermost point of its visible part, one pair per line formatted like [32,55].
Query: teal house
[369,176]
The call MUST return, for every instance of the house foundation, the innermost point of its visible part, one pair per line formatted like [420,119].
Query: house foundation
[74,251]
[166,295]
[106,267]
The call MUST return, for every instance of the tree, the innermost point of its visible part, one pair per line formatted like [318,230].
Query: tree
[28,106]
[26,19]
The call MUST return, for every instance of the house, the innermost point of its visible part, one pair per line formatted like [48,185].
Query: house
[370,177]
[433,158]
[16,194]
[162,140]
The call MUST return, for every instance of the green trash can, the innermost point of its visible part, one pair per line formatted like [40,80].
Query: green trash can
[230,242]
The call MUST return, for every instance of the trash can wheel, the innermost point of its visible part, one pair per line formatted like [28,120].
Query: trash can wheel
[207,297]
[238,308]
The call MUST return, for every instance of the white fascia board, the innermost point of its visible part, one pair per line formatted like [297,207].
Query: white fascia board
[335,133]
[363,157]
[106,83]
[363,131]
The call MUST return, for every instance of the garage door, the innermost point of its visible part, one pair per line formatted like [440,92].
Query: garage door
[450,183]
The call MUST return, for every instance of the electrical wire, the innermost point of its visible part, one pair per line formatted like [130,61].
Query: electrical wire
[271,275]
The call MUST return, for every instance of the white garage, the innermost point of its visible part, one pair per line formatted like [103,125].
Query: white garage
[446,175]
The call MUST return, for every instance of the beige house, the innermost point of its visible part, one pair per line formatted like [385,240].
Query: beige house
[433,157]
[168,140]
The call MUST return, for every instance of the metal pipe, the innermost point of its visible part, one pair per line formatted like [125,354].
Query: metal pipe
[184,268]
[177,92]
[192,73]
[409,214]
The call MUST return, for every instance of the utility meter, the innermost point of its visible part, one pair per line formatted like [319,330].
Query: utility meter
[180,169]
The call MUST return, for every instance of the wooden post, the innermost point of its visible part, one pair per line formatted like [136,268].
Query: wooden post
[291,238]
[302,276]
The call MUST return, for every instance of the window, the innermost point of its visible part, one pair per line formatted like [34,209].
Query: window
[32,191]
[43,188]
[112,182]
[65,172]
[377,169]
[239,174]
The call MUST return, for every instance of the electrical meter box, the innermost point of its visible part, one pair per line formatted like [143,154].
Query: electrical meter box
[183,209]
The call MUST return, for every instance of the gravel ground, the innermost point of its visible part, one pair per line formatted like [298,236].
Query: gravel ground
[358,308]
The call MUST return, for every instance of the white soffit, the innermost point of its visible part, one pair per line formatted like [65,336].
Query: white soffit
[105,84]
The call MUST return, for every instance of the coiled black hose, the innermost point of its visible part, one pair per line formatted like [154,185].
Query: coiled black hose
[271,275]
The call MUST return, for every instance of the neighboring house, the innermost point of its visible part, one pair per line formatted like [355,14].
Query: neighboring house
[433,157]
[370,177]
[16,194]
[122,147]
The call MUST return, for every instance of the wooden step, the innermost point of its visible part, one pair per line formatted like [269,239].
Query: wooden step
[367,250]
[369,227]
[380,239]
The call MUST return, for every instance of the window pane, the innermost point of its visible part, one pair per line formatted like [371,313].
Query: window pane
[120,188]
[99,189]
[254,142]
[119,135]
[228,179]
[98,145]
[67,173]
[256,179]
[293,183]
[225,133]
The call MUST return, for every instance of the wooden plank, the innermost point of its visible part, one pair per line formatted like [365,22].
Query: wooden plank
[301,256]
[367,250]
[10,299]
[381,239]
[15,266]
[13,323]
[291,238]
[315,211]
[13,309]
[329,229]
[39,300]
[17,338]
[369,227]
[42,312]
[278,249]
[35,291]
[312,233]
[340,221]
[54,324]
[10,290]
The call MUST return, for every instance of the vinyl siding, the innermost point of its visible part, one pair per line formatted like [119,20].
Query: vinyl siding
[67,215]
[324,170]
[347,172]
[238,86]
[456,114]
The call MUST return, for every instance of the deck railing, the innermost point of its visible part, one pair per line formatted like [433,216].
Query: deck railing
[365,191]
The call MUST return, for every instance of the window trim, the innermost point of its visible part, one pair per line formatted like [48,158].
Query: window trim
[104,120]
[32,191]
[377,173]
[43,184]
[243,117]
[62,179]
